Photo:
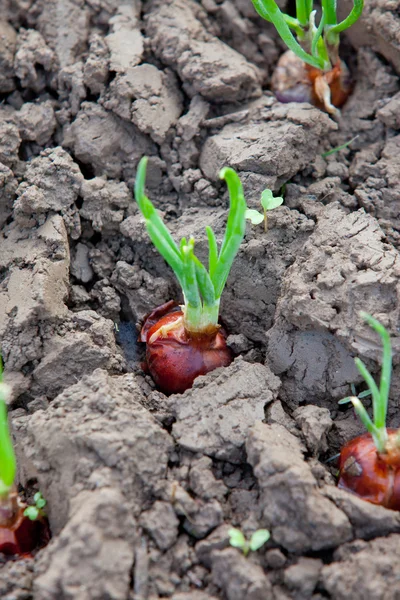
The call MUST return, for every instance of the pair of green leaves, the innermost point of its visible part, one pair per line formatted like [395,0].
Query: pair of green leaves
[268,202]
[258,539]
[36,511]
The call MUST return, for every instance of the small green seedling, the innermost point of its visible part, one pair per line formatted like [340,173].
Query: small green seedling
[268,202]
[257,540]
[380,396]
[361,395]
[36,511]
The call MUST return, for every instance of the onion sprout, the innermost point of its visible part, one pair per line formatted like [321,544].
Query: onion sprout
[380,396]
[201,289]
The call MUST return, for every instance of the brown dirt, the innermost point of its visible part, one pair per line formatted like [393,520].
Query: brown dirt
[142,489]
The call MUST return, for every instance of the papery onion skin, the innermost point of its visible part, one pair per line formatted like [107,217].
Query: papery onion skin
[370,475]
[177,357]
[294,81]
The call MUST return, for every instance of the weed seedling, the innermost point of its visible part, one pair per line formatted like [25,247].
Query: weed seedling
[19,534]
[268,202]
[361,395]
[312,70]
[257,540]
[339,148]
[36,511]
[182,343]
[369,465]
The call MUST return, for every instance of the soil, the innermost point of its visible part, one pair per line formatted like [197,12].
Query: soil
[142,488]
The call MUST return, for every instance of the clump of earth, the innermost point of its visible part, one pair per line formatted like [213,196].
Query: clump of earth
[142,488]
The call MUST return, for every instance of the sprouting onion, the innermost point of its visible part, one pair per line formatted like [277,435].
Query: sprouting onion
[369,465]
[380,396]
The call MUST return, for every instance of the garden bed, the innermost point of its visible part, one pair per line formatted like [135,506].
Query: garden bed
[142,488]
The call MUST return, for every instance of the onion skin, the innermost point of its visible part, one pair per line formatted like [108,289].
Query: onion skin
[369,475]
[176,357]
[295,81]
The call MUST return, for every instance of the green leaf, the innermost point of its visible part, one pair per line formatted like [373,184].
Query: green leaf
[204,282]
[295,25]
[376,396]
[354,15]
[259,538]
[317,34]
[40,502]
[329,8]
[339,148]
[8,465]
[149,212]
[346,400]
[254,216]
[212,252]
[269,10]
[301,12]
[32,513]
[268,202]
[236,538]
[190,286]
[379,435]
[363,394]
[235,230]
[380,408]
[174,261]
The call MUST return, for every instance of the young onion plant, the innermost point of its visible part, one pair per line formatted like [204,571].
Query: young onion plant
[315,44]
[182,344]
[370,464]
[22,528]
